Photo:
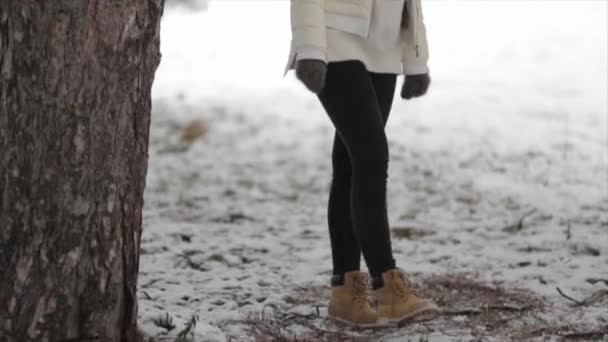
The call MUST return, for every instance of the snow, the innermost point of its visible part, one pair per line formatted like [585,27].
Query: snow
[515,123]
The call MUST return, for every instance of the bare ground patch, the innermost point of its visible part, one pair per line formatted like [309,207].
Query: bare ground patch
[471,311]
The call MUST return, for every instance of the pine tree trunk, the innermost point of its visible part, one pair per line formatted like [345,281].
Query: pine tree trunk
[75,80]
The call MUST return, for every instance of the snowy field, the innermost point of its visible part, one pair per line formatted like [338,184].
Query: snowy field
[498,178]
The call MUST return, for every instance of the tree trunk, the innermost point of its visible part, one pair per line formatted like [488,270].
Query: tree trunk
[75,80]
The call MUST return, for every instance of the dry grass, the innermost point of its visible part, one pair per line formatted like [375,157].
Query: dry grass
[469,308]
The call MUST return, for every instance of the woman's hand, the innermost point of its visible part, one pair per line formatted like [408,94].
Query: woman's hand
[415,86]
[312,73]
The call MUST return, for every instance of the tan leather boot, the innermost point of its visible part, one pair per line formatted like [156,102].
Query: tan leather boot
[398,302]
[350,303]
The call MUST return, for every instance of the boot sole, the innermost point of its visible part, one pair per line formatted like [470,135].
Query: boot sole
[360,325]
[427,313]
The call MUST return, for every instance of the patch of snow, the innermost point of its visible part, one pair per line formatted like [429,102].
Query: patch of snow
[504,163]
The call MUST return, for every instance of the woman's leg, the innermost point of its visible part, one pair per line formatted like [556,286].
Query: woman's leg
[346,252]
[384,86]
[359,115]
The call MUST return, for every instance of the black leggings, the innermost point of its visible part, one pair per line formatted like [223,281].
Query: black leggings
[358,103]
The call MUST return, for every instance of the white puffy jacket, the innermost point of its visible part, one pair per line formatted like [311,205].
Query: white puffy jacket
[309,19]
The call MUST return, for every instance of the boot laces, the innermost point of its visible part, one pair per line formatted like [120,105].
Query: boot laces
[360,290]
[402,286]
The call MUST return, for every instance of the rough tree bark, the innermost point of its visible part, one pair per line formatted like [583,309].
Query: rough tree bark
[75,80]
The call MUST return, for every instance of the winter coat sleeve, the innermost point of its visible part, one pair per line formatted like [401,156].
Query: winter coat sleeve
[415,50]
[308,24]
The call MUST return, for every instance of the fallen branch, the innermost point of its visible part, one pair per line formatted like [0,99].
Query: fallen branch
[575,301]
[295,316]
[587,335]
[477,311]
[567,332]
[592,299]
[596,297]
[464,312]
[509,308]
[593,281]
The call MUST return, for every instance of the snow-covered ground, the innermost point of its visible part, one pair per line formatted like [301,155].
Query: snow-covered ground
[499,175]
